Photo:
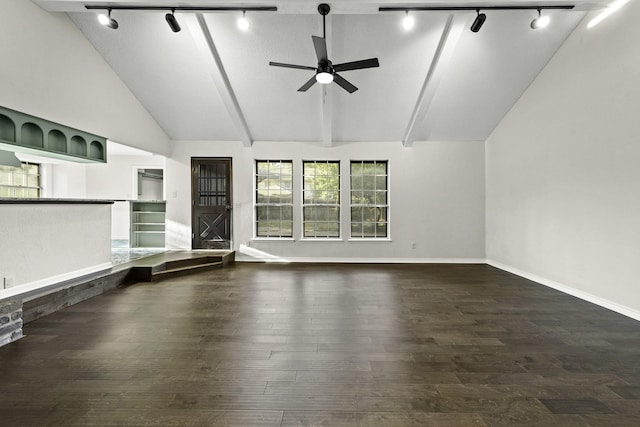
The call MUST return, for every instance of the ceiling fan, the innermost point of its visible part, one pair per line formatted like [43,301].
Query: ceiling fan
[326,72]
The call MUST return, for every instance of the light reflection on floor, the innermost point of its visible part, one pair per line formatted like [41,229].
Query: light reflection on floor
[121,253]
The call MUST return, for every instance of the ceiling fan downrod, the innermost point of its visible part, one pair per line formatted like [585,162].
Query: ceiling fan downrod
[324,10]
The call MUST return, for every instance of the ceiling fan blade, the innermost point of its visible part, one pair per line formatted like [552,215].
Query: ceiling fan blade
[357,65]
[300,67]
[344,83]
[321,47]
[308,84]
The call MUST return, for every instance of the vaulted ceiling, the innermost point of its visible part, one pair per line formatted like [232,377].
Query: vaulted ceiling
[439,81]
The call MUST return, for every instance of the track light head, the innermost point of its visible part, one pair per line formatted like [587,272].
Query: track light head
[408,22]
[172,21]
[478,22]
[107,20]
[540,21]
[243,23]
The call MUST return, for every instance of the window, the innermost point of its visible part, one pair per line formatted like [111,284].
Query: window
[274,201]
[321,199]
[22,182]
[369,199]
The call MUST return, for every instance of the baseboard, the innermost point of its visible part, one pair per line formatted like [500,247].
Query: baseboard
[602,302]
[333,260]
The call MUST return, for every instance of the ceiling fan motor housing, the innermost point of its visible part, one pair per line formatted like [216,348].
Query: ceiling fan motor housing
[325,67]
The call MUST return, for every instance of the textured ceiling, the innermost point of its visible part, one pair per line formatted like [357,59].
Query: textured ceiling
[238,96]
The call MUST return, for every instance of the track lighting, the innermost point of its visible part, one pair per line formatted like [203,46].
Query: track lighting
[172,21]
[540,21]
[243,23]
[408,22]
[107,20]
[478,22]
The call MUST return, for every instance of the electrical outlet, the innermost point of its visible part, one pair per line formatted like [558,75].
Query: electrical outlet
[8,282]
[413,245]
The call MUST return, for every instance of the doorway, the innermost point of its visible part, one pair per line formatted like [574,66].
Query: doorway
[150,184]
[211,203]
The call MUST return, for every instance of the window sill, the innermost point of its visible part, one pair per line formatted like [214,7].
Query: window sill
[321,239]
[371,239]
[273,239]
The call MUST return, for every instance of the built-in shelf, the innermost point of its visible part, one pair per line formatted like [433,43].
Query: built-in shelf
[147,224]
[23,133]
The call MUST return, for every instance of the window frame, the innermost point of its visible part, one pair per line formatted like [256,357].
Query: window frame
[337,205]
[386,206]
[15,171]
[257,204]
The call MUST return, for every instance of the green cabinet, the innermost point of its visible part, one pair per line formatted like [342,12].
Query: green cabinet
[147,224]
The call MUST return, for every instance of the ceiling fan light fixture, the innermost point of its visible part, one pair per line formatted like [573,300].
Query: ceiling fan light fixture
[243,22]
[324,77]
[408,22]
[478,22]
[540,21]
[172,21]
[107,20]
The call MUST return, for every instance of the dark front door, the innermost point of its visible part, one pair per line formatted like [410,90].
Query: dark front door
[211,202]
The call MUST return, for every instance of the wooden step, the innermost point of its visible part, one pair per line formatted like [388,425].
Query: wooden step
[184,270]
[159,268]
[187,262]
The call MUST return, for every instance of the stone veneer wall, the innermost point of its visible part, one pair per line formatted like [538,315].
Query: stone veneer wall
[10,321]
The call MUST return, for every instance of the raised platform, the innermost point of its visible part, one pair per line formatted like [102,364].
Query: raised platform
[172,264]
[151,268]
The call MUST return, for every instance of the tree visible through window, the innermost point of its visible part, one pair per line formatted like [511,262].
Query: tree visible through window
[22,182]
[369,199]
[321,199]
[274,200]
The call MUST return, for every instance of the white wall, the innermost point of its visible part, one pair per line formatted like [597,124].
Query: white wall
[44,241]
[151,188]
[50,70]
[563,170]
[436,193]
[68,181]
[116,180]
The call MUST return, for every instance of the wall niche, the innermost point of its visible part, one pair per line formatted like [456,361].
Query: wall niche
[56,141]
[32,135]
[78,146]
[7,129]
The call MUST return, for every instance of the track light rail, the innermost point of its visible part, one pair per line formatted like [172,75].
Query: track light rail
[474,8]
[187,8]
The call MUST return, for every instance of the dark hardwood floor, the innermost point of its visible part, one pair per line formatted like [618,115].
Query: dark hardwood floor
[267,344]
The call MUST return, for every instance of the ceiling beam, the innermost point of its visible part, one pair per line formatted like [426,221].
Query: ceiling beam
[327,97]
[204,41]
[327,111]
[444,52]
